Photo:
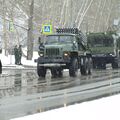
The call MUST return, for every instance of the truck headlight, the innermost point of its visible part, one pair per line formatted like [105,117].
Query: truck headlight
[66,54]
[41,55]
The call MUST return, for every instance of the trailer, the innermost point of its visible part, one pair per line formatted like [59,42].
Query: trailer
[105,49]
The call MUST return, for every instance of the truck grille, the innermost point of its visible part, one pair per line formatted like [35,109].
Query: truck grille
[52,52]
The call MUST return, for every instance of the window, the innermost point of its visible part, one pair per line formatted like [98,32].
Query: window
[62,39]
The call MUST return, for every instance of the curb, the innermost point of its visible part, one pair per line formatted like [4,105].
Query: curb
[18,67]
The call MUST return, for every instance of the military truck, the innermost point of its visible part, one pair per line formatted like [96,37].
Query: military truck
[0,60]
[105,49]
[66,49]
[0,67]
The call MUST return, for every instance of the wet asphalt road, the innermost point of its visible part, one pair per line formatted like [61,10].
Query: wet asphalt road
[21,82]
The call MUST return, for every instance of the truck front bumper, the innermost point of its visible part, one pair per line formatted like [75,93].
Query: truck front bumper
[52,62]
[51,65]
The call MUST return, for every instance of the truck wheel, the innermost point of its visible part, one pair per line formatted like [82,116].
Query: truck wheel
[41,71]
[90,66]
[0,67]
[73,69]
[86,68]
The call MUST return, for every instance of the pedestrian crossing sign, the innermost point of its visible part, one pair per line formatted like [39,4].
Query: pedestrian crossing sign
[47,29]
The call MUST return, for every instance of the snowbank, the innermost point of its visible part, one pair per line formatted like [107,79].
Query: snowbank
[102,109]
[10,59]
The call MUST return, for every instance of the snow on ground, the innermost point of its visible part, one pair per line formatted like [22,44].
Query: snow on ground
[101,109]
[10,59]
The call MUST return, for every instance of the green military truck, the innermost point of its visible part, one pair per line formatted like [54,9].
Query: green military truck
[66,49]
[105,49]
[0,60]
[0,67]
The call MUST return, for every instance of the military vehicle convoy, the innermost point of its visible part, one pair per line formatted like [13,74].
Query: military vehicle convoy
[105,49]
[66,49]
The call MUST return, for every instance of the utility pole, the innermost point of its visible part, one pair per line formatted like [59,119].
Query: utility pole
[30,32]
[4,28]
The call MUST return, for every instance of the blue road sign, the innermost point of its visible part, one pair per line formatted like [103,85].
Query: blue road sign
[47,29]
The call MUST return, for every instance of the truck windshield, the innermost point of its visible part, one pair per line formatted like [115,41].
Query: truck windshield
[59,39]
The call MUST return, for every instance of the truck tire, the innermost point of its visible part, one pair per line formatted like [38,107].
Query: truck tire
[83,70]
[0,67]
[41,71]
[86,68]
[90,66]
[73,68]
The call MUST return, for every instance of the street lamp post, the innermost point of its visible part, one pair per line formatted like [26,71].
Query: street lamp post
[115,37]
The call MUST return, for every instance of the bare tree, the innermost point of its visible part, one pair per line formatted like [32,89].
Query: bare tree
[30,32]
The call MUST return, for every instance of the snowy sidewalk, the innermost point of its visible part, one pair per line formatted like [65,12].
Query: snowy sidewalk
[9,61]
[101,109]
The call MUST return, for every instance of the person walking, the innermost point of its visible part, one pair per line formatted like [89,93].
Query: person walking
[16,55]
[20,54]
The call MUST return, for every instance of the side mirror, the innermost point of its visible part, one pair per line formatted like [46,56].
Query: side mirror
[74,44]
[41,47]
